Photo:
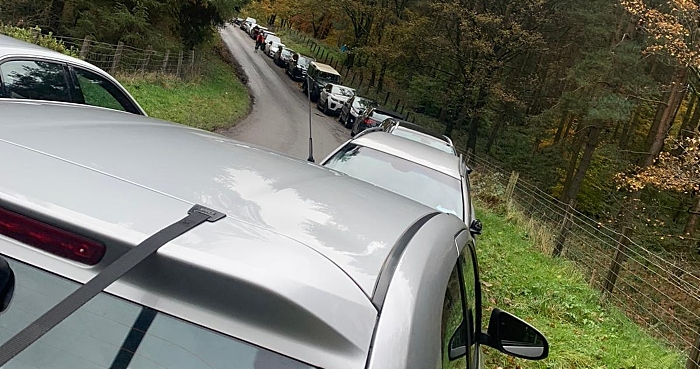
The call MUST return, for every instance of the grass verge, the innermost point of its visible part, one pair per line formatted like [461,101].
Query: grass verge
[553,295]
[214,99]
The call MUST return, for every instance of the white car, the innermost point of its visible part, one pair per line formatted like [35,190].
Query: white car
[333,97]
[272,44]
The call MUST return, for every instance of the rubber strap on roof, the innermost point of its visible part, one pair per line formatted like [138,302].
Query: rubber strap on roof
[15,345]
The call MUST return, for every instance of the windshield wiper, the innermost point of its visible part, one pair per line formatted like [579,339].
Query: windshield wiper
[19,342]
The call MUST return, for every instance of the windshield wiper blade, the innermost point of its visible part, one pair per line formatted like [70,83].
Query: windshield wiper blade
[19,342]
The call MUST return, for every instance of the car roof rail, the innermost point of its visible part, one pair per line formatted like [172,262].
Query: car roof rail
[369,130]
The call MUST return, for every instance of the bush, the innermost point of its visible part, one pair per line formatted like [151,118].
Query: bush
[34,35]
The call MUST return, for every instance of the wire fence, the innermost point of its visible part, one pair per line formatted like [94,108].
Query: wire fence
[659,292]
[122,58]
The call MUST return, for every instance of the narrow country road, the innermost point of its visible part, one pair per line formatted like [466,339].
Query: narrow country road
[280,116]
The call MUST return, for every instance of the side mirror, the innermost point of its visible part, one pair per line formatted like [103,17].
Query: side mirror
[475,227]
[7,284]
[458,343]
[513,336]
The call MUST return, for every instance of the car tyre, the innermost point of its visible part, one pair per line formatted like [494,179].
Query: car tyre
[340,118]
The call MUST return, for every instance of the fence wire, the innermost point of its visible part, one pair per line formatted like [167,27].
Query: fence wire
[657,291]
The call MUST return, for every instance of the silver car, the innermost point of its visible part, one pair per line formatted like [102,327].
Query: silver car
[129,242]
[434,178]
[32,72]
[418,133]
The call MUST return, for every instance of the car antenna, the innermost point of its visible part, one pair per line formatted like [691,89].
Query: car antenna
[311,141]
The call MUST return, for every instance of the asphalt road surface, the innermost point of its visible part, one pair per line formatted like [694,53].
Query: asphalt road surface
[279,119]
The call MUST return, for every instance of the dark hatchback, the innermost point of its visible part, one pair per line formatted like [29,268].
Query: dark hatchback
[373,118]
[297,66]
[353,108]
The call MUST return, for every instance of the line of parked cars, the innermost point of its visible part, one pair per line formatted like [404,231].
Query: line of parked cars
[257,260]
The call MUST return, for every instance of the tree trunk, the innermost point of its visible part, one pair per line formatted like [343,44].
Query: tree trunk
[476,118]
[675,97]
[494,133]
[55,16]
[693,122]
[693,217]
[625,135]
[573,163]
[578,178]
[565,116]
[688,115]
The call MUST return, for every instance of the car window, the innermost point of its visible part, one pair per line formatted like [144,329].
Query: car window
[109,332]
[433,142]
[452,318]
[98,91]
[422,184]
[38,80]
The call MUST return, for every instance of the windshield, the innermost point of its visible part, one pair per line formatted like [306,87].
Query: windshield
[286,52]
[304,62]
[422,184]
[328,77]
[431,141]
[342,90]
[361,103]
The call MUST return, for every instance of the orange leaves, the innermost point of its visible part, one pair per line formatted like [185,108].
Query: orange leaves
[670,28]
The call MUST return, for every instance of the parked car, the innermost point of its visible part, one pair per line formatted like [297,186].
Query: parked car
[333,97]
[272,44]
[298,65]
[248,24]
[418,133]
[353,108]
[283,56]
[255,30]
[231,256]
[32,72]
[320,74]
[411,169]
[373,117]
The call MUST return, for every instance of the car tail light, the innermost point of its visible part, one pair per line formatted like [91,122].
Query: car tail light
[368,121]
[49,238]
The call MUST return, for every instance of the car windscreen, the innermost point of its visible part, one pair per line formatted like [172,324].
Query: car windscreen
[303,62]
[328,77]
[433,142]
[361,103]
[286,53]
[109,332]
[341,90]
[379,116]
[417,182]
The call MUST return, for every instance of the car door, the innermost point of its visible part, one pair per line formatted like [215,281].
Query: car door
[35,79]
[323,97]
[96,90]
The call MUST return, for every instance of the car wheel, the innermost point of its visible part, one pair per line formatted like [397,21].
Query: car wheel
[340,118]
[348,123]
[325,108]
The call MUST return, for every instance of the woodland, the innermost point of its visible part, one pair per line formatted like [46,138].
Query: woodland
[594,101]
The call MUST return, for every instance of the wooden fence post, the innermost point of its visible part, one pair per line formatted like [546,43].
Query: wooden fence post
[694,356]
[564,230]
[408,115]
[117,56]
[386,99]
[165,61]
[192,61]
[396,107]
[85,48]
[35,35]
[618,260]
[179,64]
[146,60]
[402,107]
[511,185]
[353,78]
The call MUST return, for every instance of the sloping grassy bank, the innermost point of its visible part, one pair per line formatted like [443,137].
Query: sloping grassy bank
[552,295]
[214,99]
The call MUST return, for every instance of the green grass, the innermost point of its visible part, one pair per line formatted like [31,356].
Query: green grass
[297,44]
[216,99]
[553,295]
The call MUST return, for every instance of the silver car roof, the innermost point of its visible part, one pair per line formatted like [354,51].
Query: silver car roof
[291,267]
[411,150]
[11,47]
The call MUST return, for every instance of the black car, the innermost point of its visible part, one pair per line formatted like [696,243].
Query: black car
[283,56]
[353,108]
[297,66]
[373,117]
